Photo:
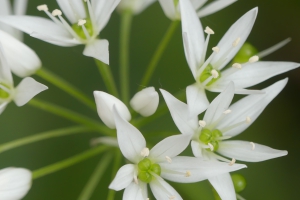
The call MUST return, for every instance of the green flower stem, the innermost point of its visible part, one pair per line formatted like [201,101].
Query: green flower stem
[161,110]
[42,136]
[65,86]
[95,177]
[107,77]
[70,115]
[116,166]
[159,52]
[67,162]
[126,19]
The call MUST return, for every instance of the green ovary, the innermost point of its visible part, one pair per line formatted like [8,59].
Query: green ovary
[208,136]
[4,94]
[245,53]
[145,168]
[239,182]
[207,73]
[79,31]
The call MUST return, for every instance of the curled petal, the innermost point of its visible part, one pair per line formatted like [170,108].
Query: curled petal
[170,10]
[123,178]
[98,49]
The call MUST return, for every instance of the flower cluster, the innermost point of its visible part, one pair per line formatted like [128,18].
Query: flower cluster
[207,127]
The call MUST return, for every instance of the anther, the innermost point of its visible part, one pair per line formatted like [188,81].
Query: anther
[253,145]
[169,160]
[209,31]
[145,152]
[56,12]
[211,146]
[253,59]
[81,22]
[232,162]
[202,123]
[237,66]
[172,197]
[236,42]
[43,7]
[216,49]
[188,174]
[214,73]
[227,112]
[248,120]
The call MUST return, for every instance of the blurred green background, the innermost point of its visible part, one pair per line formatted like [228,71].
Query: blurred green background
[277,127]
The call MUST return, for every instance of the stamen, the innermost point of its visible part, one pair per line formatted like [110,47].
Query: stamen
[188,174]
[216,49]
[236,42]
[209,31]
[169,160]
[237,66]
[135,179]
[226,137]
[81,22]
[227,112]
[202,123]
[172,197]
[145,152]
[253,59]
[43,7]
[232,162]
[214,73]
[248,120]
[56,12]
[253,145]
[211,146]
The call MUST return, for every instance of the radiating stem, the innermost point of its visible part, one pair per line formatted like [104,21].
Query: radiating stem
[67,162]
[43,136]
[126,19]
[107,77]
[116,166]
[70,115]
[158,53]
[65,86]
[95,177]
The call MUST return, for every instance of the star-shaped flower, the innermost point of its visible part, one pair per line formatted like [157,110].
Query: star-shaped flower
[151,166]
[84,28]
[211,73]
[222,122]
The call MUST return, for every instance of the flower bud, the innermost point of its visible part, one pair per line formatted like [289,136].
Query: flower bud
[14,183]
[145,102]
[105,103]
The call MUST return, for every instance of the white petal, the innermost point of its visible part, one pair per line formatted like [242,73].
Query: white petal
[197,149]
[224,186]
[3,106]
[199,169]
[180,114]
[219,105]
[123,177]
[196,99]
[170,146]
[27,63]
[136,192]
[193,36]
[5,9]
[240,29]
[250,106]
[74,10]
[145,101]
[162,190]
[5,74]
[244,151]
[255,73]
[14,183]
[198,3]
[169,9]
[26,90]
[105,103]
[214,7]
[20,7]
[130,139]
[98,49]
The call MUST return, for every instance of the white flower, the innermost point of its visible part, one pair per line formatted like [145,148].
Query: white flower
[149,166]
[137,6]
[14,183]
[207,72]
[19,8]
[25,91]
[172,10]
[84,28]
[223,122]
[145,101]
[27,61]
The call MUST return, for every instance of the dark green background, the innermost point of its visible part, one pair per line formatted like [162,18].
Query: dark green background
[277,127]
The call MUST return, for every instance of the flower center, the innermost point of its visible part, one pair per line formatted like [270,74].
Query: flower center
[79,30]
[146,168]
[209,73]
[245,53]
[211,138]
